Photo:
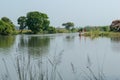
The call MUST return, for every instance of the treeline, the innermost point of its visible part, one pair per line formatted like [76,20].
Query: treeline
[37,22]
[95,28]
[34,22]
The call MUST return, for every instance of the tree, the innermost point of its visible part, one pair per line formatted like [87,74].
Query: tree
[105,28]
[5,19]
[8,21]
[68,25]
[46,24]
[52,29]
[22,22]
[6,26]
[37,21]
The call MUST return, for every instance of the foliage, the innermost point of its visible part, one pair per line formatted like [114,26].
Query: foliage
[80,29]
[8,21]
[5,19]
[68,25]
[51,30]
[46,24]
[22,22]
[61,30]
[94,28]
[97,31]
[74,30]
[104,28]
[37,21]
[6,26]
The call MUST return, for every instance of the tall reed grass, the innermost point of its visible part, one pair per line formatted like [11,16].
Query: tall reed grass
[26,68]
[88,72]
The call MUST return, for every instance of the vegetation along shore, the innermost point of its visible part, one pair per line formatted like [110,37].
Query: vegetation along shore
[38,23]
[33,23]
[108,31]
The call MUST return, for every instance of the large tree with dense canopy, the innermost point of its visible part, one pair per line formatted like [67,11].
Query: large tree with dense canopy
[6,26]
[37,21]
[22,22]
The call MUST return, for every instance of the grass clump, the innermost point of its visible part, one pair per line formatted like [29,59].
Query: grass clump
[26,68]
[101,34]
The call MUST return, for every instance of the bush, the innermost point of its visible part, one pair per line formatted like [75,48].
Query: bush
[62,30]
[6,28]
[51,30]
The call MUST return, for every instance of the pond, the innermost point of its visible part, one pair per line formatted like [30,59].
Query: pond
[59,57]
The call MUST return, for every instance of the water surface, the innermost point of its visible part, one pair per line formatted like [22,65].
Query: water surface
[72,53]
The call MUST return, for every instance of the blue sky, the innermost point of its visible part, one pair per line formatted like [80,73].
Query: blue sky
[81,12]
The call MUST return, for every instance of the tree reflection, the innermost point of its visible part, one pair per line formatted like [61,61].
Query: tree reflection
[6,41]
[69,41]
[115,44]
[70,38]
[35,45]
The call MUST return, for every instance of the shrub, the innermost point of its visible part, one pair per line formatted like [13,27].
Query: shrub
[51,30]
[6,28]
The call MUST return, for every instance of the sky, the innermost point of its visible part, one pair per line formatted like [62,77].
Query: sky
[80,12]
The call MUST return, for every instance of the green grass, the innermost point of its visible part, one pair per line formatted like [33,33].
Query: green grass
[23,32]
[102,34]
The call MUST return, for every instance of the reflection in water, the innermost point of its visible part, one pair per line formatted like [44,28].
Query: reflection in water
[6,41]
[115,44]
[115,39]
[70,38]
[35,45]
[85,56]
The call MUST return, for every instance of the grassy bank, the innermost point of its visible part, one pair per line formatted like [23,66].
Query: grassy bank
[23,32]
[102,34]
[61,30]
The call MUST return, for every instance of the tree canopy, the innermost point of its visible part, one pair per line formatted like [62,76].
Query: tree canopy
[68,25]
[6,26]
[5,19]
[22,22]
[37,21]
